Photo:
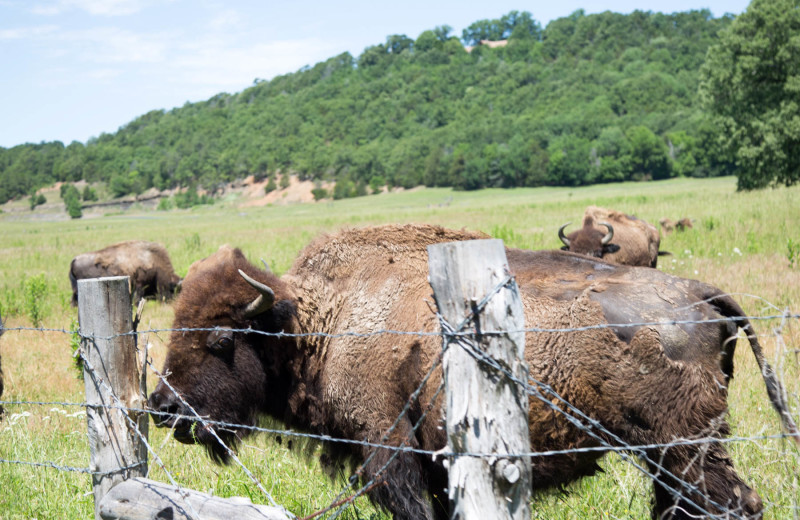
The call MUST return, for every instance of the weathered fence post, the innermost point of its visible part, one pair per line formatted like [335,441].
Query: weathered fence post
[117,452]
[486,411]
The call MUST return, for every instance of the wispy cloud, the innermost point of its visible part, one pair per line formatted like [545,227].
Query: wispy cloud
[233,68]
[93,7]
[24,33]
[114,45]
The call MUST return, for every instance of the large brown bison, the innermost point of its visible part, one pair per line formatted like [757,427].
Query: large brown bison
[146,263]
[615,237]
[644,384]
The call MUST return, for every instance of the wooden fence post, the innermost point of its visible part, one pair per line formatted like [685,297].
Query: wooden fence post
[486,411]
[104,314]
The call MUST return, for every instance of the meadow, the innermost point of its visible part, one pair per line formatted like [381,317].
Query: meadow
[747,243]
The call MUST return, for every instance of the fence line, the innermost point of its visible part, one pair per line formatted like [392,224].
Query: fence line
[530,388]
[355,334]
[438,453]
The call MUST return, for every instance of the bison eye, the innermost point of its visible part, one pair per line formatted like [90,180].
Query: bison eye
[222,345]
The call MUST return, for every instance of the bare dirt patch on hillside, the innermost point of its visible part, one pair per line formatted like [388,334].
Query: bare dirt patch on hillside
[298,192]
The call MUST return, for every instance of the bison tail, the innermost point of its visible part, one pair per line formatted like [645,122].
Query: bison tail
[73,282]
[775,390]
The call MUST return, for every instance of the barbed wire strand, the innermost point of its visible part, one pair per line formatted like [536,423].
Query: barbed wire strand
[196,416]
[678,442]
[134,428]
[599,326]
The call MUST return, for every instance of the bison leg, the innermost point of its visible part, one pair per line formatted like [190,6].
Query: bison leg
[401,485]
[403,481]
[709,484]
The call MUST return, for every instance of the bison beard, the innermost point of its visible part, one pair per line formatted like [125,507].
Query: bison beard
[645,385]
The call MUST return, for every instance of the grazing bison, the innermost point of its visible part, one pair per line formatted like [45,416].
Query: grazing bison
[146,263]
[668,225]
[644,384]
[615,237]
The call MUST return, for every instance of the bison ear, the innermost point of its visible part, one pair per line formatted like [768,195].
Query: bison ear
[610,248]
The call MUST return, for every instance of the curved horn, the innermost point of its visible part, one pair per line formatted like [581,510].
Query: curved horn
[606,239]
[561,234]
[264,301]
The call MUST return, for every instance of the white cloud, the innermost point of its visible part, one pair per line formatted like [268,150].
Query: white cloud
[24,33]
[93,7]
[113,45]
[227,19]
[235,68]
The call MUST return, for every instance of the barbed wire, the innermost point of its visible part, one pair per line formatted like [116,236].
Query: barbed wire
[380,332]
[439,453]
[533,388]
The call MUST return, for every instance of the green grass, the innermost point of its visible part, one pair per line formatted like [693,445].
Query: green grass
[739,242]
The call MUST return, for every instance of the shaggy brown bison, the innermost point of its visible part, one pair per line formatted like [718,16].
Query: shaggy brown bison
[615,237]
[146,263]
[644,385]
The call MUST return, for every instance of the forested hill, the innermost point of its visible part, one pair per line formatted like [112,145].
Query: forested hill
[589,98]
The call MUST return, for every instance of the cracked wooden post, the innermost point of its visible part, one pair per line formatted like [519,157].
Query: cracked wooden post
[486,411]
[104,314]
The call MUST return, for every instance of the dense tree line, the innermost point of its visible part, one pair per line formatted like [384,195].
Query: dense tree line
[750,83]
[587,99]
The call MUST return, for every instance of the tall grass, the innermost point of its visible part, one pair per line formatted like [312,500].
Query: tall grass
[740,242]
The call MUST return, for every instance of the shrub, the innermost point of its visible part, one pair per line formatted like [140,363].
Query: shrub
[74,208]
[793,252]
[34,290]
[165,204]
[37,200]
[319,193]
[89,194]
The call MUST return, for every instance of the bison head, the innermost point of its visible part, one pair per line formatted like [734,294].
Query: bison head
[214,370]
[589,240]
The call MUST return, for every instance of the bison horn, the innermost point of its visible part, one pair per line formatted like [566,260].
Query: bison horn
[561,234]
[606,239]
[264,301]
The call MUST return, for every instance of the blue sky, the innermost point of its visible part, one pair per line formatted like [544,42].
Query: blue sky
[73,69]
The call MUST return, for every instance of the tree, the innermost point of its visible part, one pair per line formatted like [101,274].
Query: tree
[750,82]
[89,194]
[649,154]
[74,207]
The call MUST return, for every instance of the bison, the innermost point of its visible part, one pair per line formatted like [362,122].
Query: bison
[146,263]
[644,385]
[668,225]
[635,242]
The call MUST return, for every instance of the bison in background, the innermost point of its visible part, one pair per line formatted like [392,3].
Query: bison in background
[146,263]
[668,225]
[646,385]
[615,237]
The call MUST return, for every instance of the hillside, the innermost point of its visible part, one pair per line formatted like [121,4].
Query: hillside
[587,99]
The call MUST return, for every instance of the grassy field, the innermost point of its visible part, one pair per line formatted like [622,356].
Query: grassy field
[746,243]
